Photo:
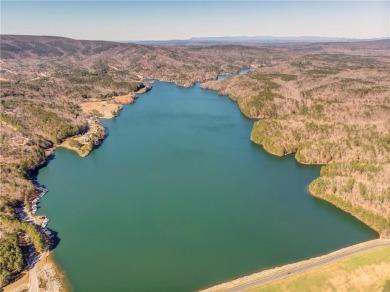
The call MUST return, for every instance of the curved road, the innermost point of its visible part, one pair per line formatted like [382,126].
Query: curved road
[305,267]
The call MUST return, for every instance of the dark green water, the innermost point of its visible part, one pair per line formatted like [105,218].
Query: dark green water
[177,198]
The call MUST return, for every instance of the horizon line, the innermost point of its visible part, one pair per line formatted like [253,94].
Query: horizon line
[209,37]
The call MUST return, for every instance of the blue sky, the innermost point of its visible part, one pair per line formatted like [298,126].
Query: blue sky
[157,20]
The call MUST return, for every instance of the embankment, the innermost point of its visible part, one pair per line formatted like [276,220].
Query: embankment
[287,271]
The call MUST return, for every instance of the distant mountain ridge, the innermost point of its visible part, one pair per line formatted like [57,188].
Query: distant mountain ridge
[270,39]
[252,40]
[31,46]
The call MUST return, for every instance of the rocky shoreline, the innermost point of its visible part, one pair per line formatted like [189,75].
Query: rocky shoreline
[44,267]
[27,212]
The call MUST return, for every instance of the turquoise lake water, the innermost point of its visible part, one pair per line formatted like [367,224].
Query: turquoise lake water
[178,198]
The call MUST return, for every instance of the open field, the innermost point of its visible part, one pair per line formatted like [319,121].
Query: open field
[362,267]
[367,271]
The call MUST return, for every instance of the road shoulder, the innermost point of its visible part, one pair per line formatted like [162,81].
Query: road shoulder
[266,276]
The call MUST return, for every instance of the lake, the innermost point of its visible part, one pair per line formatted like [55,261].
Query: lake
[178,198]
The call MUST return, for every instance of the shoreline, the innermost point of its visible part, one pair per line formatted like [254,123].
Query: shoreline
[235,282]
[44,263]
[46,260]
[119,101]
[106,109]
[245,280]
[47,267]
[65,144]
[323,197]
[67,286]
[356,216]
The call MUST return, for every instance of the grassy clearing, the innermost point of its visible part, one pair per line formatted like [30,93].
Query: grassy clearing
[367,271]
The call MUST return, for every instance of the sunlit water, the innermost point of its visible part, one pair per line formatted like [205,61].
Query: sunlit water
[177,198]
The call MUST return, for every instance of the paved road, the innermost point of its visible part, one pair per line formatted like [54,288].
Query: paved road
[293,271]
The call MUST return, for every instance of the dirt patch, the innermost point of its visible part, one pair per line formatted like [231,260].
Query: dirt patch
[108,109]
[125,99]
[20,285]
[103,109]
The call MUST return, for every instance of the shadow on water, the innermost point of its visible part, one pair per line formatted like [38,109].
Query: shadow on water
[271,157]
[34,174]
[341,215]
[336,212]
[54,239]
[51,157]
[101,142]
[51,235]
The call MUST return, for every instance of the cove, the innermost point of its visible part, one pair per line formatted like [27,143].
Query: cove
[178,198]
